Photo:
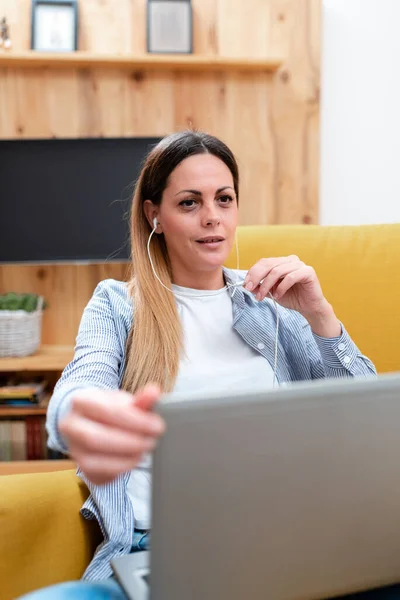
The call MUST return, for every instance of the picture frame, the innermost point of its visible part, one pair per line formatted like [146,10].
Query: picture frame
[169,27]
[54,25]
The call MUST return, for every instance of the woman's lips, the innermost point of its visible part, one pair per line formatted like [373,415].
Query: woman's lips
[211,242]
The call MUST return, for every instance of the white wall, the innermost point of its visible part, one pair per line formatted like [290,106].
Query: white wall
[360,112]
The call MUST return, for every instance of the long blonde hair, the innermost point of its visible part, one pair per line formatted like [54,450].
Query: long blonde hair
[154,343]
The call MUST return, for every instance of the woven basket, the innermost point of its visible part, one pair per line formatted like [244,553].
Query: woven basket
[20,331]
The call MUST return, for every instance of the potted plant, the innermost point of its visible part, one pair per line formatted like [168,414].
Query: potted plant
[20,323]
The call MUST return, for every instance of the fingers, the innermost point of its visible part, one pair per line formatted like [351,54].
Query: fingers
[148,397]
[276,274]
[302,275]
[108,431]
[86,436]
[261,270]
[117,409]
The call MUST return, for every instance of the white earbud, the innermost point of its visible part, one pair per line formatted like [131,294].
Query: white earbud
[155,222]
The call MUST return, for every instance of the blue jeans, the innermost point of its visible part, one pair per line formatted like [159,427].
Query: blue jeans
[109,589]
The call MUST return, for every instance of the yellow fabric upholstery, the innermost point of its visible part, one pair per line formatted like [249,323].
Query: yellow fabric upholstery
[43,538]
[359,269]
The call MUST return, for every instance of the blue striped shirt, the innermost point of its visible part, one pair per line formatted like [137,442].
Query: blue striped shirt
[99,362]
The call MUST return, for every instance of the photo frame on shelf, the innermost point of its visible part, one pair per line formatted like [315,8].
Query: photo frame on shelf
[54,25]
[169,26]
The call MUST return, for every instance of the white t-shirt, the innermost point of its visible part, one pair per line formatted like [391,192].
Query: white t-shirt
[216,359]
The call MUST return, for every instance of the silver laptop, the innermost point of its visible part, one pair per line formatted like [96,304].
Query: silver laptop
[289,494]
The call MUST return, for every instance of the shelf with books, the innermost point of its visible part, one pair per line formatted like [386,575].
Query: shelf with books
[23,407]
[26,385]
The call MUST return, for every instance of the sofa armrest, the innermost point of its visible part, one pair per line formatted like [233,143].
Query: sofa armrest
[44,539]
[17,467]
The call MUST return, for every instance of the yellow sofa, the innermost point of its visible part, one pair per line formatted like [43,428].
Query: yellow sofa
[43,538]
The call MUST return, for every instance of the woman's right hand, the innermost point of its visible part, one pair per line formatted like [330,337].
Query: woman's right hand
[109,431]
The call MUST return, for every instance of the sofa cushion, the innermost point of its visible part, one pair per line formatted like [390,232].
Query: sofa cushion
[44,539]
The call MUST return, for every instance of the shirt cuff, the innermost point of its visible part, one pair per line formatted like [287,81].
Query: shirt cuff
[338,352]
[56,440]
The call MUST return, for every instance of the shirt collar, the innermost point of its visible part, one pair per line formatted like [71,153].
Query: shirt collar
[239,295]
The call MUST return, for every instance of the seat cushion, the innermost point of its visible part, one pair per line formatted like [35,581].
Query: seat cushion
[44,539]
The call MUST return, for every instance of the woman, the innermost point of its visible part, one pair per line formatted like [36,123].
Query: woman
[181,323]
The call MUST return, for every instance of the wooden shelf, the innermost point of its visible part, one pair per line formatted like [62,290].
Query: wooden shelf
[175,62]
[21,411]
[48,358]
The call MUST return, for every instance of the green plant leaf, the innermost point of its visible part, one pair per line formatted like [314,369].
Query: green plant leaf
[13,301]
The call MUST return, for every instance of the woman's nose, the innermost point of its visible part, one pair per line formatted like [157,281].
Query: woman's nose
[212,221]
[210,217]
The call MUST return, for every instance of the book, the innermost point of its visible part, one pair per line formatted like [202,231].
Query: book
[5,441]
[30,449]
[18,402]
[32,392]
[37,439]
[18,440]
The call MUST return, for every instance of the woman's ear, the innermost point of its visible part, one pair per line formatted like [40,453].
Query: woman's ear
[151,212]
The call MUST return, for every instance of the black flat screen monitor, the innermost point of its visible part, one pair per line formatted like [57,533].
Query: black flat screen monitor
[68,200]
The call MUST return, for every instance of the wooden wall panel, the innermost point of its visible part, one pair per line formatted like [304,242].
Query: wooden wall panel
[270,122]
[67,289]
[294,112]
[242,27]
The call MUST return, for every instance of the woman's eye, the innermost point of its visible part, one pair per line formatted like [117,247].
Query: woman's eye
[187,203]
[225,199]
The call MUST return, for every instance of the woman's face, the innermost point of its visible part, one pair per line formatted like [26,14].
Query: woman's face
[198,215]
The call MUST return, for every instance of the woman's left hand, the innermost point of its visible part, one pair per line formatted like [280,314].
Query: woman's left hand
[295,286]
